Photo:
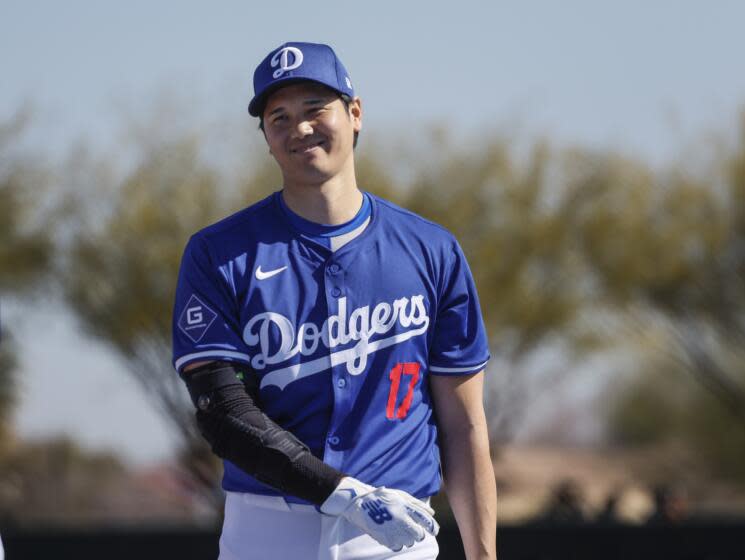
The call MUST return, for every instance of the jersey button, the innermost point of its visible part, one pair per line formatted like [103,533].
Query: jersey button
[334,268]
[341,383]
[333,440]
[336,292]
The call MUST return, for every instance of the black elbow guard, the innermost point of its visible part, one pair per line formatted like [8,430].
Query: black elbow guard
[230,419]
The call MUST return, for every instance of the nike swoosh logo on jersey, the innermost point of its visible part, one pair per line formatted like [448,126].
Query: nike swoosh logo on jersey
[261,275]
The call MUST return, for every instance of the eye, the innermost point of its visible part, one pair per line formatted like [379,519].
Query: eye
[277,119]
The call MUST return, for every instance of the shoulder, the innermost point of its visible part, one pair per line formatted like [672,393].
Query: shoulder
[254,217]
[241,230]
[396,218]
[238,235]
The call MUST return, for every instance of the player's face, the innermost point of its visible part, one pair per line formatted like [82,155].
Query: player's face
[310,132]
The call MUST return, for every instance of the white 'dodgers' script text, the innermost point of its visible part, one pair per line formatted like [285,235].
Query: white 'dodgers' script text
[339,329]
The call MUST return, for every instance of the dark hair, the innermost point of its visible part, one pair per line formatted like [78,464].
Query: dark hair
[344,99]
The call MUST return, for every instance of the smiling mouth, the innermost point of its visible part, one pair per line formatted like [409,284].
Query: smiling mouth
[308,148]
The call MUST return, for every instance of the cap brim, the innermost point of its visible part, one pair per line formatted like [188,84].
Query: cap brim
[256,106]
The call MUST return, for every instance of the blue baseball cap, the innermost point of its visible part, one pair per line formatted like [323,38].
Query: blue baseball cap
[293,62]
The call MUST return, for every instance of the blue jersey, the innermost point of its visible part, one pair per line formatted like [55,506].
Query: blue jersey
[343,341]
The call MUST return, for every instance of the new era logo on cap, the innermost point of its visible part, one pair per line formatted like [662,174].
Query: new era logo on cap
[298,61]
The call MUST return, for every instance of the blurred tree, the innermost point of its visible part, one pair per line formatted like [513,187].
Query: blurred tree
[664,407]
[25,243]
[684,288]
[593,250]
[121,275]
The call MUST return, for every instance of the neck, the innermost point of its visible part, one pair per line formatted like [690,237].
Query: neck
[333,201]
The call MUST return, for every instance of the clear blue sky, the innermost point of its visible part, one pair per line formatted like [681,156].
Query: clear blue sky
[634,74]
[643,76]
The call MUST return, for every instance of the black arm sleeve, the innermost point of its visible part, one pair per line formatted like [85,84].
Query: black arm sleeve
[230,419]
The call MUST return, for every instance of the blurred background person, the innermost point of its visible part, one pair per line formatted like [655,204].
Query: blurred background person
[671,505]
[565,504]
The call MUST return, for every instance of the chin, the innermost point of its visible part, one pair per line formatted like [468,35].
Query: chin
[312,175]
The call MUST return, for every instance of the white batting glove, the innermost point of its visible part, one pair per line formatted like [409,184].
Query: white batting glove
[392,517]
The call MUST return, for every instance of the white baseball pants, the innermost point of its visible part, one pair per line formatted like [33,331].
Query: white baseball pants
[268,528]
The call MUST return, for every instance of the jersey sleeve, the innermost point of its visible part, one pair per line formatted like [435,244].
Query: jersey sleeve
[205,316]
[460,345]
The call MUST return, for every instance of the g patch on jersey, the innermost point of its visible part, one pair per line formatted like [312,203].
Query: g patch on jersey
[196,318]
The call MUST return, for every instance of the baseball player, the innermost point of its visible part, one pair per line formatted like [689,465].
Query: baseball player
[333,346]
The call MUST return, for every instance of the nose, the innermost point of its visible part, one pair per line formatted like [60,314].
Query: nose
[302,129]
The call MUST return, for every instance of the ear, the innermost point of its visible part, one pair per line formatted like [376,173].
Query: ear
[355,112]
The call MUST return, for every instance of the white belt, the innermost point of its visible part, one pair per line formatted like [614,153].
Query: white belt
[278,502]
[271,502]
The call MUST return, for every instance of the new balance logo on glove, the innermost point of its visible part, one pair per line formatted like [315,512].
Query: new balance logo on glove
[392,517]
[377,511]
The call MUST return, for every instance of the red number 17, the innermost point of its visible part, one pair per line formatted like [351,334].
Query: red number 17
[407,368]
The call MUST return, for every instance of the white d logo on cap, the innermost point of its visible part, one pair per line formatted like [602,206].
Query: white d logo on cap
[282,58]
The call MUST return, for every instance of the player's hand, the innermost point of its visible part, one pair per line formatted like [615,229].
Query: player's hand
[392,517]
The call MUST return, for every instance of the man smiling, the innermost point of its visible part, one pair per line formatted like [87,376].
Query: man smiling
[333,345]
[314,154]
